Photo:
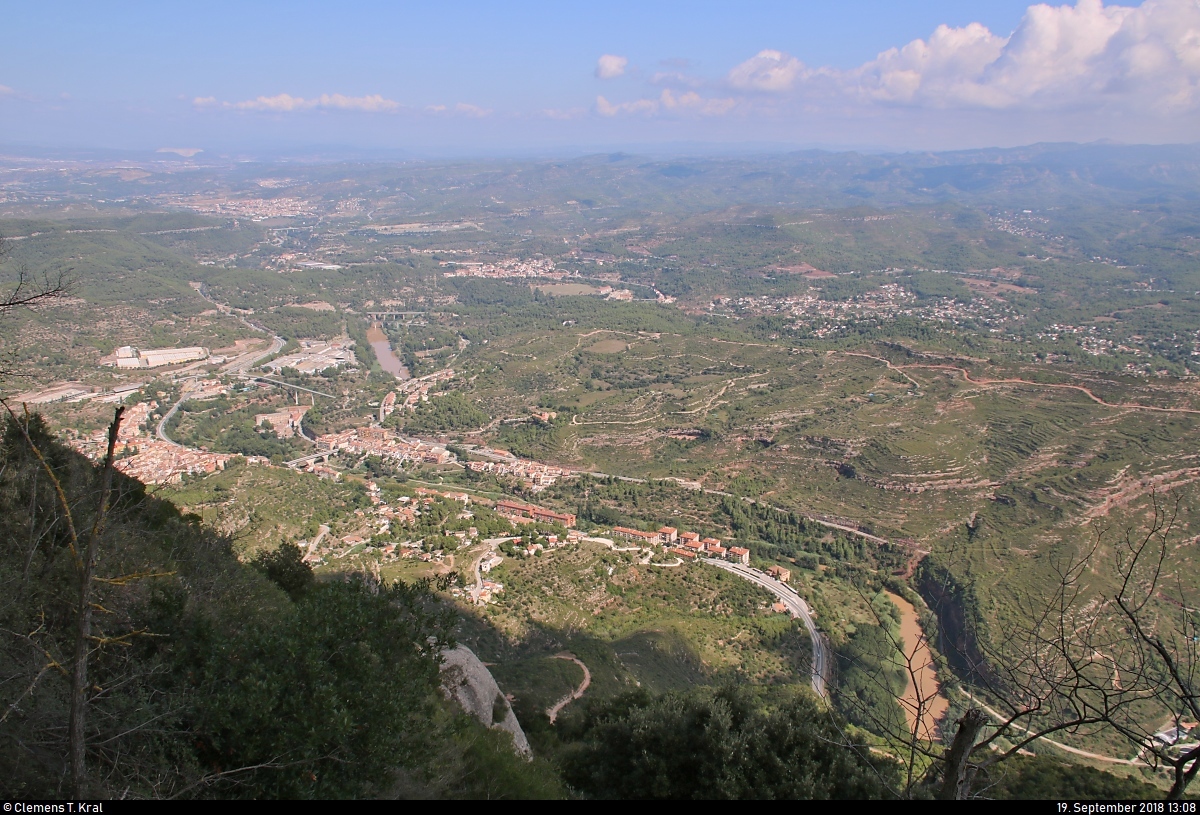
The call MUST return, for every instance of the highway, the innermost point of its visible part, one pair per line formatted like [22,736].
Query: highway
[243,364]
[288,385]
[795,603]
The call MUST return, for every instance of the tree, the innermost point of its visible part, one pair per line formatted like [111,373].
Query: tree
[1120,657]
[704,745]
[84,552]
[28,291]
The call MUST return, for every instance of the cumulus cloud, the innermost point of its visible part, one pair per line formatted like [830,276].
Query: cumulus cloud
[694,102]
[768,71]
[606,108]
[610,66]
[1065,56]
[286,103]
[471,110]
[690,102]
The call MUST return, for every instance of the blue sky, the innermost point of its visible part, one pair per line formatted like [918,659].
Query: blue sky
[475,77]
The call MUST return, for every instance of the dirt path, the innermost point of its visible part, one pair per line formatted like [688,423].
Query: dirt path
[926,693]
[989,382]
[1097,756]
[573,695]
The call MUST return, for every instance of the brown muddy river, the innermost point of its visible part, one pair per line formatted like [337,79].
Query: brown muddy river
[935,705]
[383,352]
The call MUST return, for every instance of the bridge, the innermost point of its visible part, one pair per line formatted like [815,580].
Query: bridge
[312,458]
[289,385]
[394,315]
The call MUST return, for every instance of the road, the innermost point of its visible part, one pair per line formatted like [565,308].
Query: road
[995,714]
[849,530]
[241,365]
[162,423]
[821,664]
[288,385]
[478,587]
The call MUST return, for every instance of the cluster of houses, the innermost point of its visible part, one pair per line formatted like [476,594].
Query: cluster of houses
[524,513]
[535,475]
[150,460]
[384,443]
[380,519]
[286,423]
[416,390]
[507,268]
[687,545]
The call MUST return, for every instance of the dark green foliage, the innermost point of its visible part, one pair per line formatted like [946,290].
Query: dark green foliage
[286,568]
[329,697]
[1041,778]
[207,680]
[234,431]
[442,414]
[715,746]
[303,323]
[870,678]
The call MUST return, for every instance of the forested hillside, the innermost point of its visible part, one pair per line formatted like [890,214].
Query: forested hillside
[208,677]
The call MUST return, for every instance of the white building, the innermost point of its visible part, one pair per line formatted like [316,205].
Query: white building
[129,357]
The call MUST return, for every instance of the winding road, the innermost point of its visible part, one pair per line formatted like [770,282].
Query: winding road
[1000,717]
[821,664]
[162,423]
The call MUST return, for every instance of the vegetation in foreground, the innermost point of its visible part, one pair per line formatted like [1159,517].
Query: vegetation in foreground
[211,678]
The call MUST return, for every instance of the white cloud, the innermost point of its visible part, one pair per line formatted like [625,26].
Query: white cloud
[606,108]
[694,102]
[7,91]
[767,71]
[1080,56]
[690,102]
[471,110]
[286,103]
[610,66]
[367,104]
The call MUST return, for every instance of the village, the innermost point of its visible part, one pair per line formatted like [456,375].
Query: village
[149,459]
[504,269]
[827,318]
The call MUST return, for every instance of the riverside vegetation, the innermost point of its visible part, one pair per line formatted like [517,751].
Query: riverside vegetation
[989,390]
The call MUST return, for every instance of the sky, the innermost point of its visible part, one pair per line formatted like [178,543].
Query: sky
[502,78]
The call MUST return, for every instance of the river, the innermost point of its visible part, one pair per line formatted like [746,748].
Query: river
[922,660]
[383,352]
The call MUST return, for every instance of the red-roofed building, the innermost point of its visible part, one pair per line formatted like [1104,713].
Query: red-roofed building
[779,573]
[739,555]
[514,509]
[650,538]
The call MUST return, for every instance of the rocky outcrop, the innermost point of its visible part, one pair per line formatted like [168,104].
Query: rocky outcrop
[467,681]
